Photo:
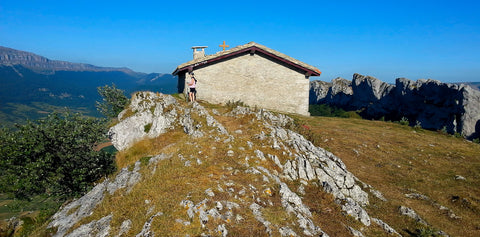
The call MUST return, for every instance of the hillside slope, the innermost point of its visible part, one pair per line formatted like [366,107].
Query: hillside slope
[192,169]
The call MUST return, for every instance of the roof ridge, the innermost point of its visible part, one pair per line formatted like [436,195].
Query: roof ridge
[245,46]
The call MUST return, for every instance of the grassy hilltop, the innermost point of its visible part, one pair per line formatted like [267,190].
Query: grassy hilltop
[421,169]
[400,160]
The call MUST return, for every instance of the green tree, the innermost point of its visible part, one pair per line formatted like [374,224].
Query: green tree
[55,155]
[113,102]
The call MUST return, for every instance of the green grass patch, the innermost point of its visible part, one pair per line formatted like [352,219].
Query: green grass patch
[147,127]
[331,111]
[34,213]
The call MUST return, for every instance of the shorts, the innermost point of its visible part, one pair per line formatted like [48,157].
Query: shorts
[193,90]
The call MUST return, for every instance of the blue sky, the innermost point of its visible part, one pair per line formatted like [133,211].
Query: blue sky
[383,39]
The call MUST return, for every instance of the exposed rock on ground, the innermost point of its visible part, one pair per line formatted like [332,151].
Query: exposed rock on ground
[150,119]
[433,104]
[83,207]
[272,160]
[412,214]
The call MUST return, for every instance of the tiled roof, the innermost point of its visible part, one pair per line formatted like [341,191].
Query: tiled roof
[243,48]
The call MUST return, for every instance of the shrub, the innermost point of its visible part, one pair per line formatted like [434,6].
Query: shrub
[147,127]
[55,155]
[233,104]
[145,160]
[476,140]
[330,111]
[404,121]
[113,102]
[425,232]
[418,125]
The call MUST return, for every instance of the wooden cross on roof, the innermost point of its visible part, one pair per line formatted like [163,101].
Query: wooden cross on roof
[224,46]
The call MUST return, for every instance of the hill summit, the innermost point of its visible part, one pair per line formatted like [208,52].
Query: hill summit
[226,179]
[191,170]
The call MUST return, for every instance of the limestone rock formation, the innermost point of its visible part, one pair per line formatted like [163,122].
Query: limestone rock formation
[433,104]
[149,119]
[270,160]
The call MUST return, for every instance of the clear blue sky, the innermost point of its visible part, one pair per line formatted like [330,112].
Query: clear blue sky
[385,39]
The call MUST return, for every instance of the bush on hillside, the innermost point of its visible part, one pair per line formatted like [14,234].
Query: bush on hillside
[404,121]
[55,155]
[231,104]
[113,102]
[330,111]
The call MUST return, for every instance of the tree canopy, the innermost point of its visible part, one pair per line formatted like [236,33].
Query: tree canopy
[113,102]
[55,155]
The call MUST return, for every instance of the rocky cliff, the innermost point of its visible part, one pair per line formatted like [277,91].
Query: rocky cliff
[435,105]
[244,172]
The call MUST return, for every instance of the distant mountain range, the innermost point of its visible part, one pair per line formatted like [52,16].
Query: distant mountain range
[32,85]
[44,65]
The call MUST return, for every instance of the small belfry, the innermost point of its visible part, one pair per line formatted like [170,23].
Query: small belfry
[224,45]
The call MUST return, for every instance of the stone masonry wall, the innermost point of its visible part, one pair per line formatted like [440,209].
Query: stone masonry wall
[254,80]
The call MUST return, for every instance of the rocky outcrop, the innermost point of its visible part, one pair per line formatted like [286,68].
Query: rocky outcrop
[432,104]
[154,114]
[148,120]
[83,207]
[275,159]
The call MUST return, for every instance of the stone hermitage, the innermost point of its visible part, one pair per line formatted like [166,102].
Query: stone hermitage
[251,73]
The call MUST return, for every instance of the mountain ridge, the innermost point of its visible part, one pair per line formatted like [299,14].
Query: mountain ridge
[33,85]
[10,56]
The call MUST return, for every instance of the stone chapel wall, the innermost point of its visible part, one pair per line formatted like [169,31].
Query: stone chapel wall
[254,80]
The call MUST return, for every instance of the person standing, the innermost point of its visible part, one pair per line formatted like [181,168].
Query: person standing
[192,85]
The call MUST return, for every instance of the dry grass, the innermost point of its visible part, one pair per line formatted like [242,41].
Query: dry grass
[394,159]
[398,160]
[149,147]
[326,213]
[173,182]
